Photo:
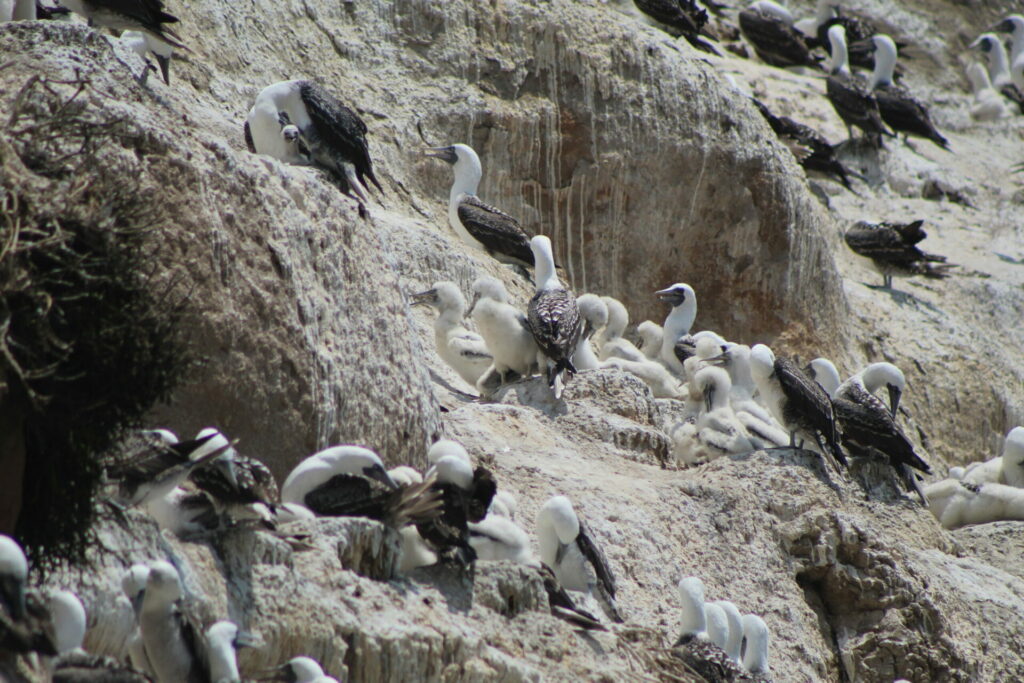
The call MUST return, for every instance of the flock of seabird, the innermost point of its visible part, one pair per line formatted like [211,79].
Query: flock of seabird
[729,398]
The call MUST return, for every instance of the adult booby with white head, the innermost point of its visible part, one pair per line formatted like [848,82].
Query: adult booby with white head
[694,645]
[594,314]
[892,248]
[464,351]
[160,464]
[899,109]
[146,16]
[999,67]
[768,27]
[505,330]
[350,481]
[1014,25]
[334,134]
[577,561]
[734,645]
[824,372]
[610,341]
[480,225]
[795,400]
[849,95]
[870,429]
[241,487]
[173,640]
[676,343]
[1007,468]
[554,317]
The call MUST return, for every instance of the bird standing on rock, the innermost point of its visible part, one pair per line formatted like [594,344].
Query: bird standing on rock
[554,318]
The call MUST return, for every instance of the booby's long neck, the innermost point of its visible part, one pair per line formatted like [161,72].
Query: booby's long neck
[544,272]
[998,64]
[742,380]
[678,323]
[1017,46]
[467,175]
[223,664]
[694,621]
[616,324]
[838,65]
[885,62]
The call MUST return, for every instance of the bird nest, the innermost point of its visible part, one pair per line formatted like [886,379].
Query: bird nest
[650,657]
[88,341]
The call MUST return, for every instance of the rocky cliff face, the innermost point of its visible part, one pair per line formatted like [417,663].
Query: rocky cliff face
[634,154]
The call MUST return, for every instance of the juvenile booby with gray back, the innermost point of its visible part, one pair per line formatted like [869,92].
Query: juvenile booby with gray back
[849,95]
[892,248]
[554,317]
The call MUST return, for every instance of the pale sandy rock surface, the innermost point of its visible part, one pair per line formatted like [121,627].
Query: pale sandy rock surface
[646,169]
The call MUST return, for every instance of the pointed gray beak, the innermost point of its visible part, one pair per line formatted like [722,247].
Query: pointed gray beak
[246,639]
[227,467]
[670,295]
[424,298]
[443,153]
[378,473]
[894,399]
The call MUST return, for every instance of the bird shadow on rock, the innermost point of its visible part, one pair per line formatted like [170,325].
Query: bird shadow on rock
[902,298]
[453,582]
[532,392]
[800,457]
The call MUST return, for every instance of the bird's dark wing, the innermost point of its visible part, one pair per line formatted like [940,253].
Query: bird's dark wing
[555,323]
[910,233]
[807,404]
[593,553]
[496,230]
[448,533]
[903,113]
[883,242]
[865,422]
[480,496]
[148,14]
[34,632]
[775,41]
[562,606]
[82,667]
[255,483]
[247,132]
[339,128]
[854,104]
[350,495]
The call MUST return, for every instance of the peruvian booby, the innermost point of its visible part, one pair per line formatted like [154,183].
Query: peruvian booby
[185,512]
[755,656]
[610,342]
[147,16]
[775,40]
[858,32]
[1007,468]
[957,503]
[680,18]
[480,225]
[1014,25]
[899,109]
[159,465]
[651,335]
[870,429]
[849,95]
[734,645]
[809,26]
[988,104]
[795,400]
[464,351]
[242,487]
[133,583]
[503,504]
[810,147]
[334,134]
[302,670]
[75,665]
[173,640]
[694,646]
[465,495]
[443,447]
[286,144]
[26,10]
[497,537]
[736,361]
[892,248]
[717,624]
[26,624]
[999,67]
[577,561]
[350,481]
[144,44]
[554,318]
[676,342]
[594,314]
[718,429]
[504,328]
[824,372]
[223,640]
[661,382]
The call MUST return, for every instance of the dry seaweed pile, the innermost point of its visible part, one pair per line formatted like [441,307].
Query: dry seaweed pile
[85,346]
